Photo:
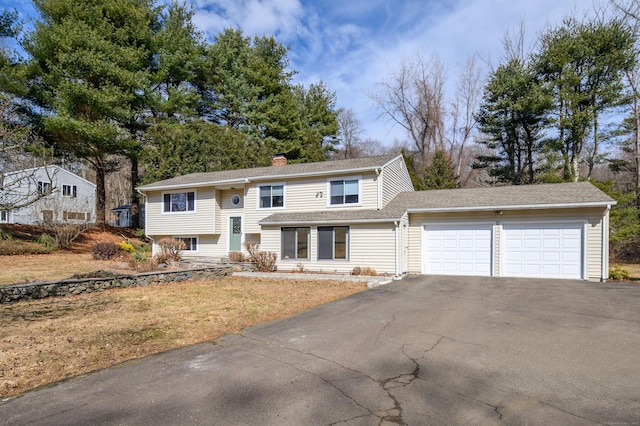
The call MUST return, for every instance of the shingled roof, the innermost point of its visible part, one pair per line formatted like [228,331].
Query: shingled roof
[555,195]
[271,172]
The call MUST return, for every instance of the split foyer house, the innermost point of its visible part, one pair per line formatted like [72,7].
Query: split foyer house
[61,196]
[336,215]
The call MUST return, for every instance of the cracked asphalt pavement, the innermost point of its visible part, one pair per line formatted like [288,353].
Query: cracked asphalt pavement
[424,350]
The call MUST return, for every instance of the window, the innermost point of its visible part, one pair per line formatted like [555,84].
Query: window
[70,191]
[190,243]
[179,202]
[295,243]
[344,192]
[333,242]
[44,187]
[271,196]
[76,216]
[4,216]
[235,199]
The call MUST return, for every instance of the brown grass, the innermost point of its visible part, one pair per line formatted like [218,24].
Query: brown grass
[51,339]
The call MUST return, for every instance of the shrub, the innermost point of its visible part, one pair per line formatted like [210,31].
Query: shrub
[236,257]
[618,273]
[64,233]
[47,241]
[170,250]
[356,271]
[300,267]
[264,260]
[128,247]
[5,235]
[141,262]
[104,250]
[368,271]
[16,247]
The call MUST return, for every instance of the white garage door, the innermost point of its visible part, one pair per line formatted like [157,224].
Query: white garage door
[457,249]
[542,250]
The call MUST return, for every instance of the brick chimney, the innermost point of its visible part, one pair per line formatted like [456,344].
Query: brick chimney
[279,160]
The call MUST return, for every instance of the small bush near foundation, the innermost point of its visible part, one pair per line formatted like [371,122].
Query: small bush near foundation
[236,257]
[128,247]
[264,260]
[618,273]
[104,250]
[365,270]
[170,249]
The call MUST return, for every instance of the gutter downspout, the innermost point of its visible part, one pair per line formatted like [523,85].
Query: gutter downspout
[396,230]
[604,274]
[146,210]
[379,182]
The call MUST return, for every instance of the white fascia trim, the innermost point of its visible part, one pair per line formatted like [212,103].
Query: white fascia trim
[510,207]
[256,178]
[332,221]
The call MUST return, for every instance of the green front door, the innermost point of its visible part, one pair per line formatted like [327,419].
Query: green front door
[235,233]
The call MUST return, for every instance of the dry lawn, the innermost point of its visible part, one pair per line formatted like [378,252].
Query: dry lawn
[632,268]
[51,339]
[53,266]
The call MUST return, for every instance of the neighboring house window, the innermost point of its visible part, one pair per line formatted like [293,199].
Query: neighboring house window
[295,243]
[271,196]
[333,242]
[44,187]
[4,216]
[47,216]
[76,216]
[179,202]
[190,243]
[70,191]
[344,192]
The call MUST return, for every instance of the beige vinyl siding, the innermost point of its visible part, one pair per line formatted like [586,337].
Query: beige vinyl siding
[593,216]
[201,221]
[395,179]
[371,245]
[594,249]
[306,195]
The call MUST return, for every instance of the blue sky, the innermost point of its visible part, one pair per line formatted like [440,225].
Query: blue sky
[353,44]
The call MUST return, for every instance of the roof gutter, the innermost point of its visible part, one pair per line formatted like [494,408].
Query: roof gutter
[254,178]
[326,221]
[510,207]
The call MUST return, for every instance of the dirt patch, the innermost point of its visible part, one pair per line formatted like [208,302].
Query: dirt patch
[47,340]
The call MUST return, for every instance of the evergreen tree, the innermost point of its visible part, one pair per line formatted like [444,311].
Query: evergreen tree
[441,173]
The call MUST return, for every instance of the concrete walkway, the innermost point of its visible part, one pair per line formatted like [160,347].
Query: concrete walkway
[424,350]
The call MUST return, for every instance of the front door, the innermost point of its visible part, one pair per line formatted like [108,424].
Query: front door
[235,233]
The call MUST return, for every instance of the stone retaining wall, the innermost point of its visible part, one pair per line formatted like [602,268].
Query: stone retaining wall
[30,291]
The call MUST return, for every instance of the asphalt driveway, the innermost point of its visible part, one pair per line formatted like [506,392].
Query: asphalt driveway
[424,350]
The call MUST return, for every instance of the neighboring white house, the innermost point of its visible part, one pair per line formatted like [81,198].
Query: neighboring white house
[336,215]
[62,196]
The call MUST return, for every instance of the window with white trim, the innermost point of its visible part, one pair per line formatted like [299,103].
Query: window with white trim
[344,191]
[295,243]
[179,202]
[271,196]
[333,242]
[190,243]
[44,187]
[76,216]
[70,191]
[4,216]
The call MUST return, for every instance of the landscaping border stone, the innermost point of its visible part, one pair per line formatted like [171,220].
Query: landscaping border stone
[40,290]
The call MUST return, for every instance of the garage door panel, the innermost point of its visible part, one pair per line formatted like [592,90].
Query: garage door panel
[457,249]
[544,250]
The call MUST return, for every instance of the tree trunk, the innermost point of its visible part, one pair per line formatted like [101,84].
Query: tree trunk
[100,193]
[135,197]
[592,159]
[636,117]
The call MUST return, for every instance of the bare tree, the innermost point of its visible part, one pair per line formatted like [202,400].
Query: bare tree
[17,164]
[463,111]
[413,97]
[350,131]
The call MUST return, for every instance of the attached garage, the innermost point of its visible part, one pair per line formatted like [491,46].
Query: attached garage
[555,231]
[543,250]
[458,249]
